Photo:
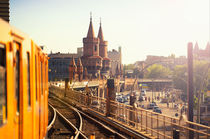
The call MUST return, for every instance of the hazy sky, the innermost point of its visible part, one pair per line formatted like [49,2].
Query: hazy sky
[140,27]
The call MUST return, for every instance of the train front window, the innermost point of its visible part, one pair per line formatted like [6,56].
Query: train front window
[3,95]
[28,79]
[17,79]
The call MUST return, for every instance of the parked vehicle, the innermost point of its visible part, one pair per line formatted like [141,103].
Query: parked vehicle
[154,103]
[150,106]
[155,107]
[122,118]
[143,93]
[158,110]
[141,98]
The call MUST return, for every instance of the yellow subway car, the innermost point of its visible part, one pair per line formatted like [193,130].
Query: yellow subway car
[23,86]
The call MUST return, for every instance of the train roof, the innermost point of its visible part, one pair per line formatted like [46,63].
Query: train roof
[6,30]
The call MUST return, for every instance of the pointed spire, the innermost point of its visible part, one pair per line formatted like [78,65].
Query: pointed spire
[121,69]
[208,46]
[90,30]
[196,48]
[79,69]
[117,70]
[72,69]
[79,63]
[85,73]
[72,63]
[100,33]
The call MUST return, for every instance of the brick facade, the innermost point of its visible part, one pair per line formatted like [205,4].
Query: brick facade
[95,53]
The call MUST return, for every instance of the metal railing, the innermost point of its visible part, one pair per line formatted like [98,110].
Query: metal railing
[139,119]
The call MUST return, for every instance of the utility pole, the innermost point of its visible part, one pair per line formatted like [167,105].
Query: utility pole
[198,107]
[190,94]
[152,91]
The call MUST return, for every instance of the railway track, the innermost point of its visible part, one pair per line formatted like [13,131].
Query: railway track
[90,125]
[64,124]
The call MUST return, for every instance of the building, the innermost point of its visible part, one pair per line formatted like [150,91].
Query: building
[4,9]
[170,61]
[202,54]
[59,64]
[80,51]
[140,65]
[95,53]
[116,60]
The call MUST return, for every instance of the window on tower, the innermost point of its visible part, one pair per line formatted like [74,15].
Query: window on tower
[95,47]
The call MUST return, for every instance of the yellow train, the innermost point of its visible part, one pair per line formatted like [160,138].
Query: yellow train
[23,86]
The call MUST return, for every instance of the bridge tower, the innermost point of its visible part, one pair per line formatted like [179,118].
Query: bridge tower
[79,69]
[103,52]
[72,69]
[91,59]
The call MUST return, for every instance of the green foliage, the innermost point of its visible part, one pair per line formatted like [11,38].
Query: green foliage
[158,71]
[180,78]
[128,67]
[201,73]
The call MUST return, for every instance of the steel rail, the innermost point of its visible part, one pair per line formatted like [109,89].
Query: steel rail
[101,124]
[53,120]
[78,131]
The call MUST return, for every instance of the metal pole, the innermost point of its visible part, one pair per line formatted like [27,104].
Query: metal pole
[190,94]
[152,91]
[198,109]
[176,134]
[66,86]
[110,96]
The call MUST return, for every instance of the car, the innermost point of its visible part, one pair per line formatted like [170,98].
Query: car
[95,102]
[121,100]
[158,110]
[155,107]
[141,98]
[154,103]
[203,122]
[143,93]
[122,118]
[150,106]
[125,98]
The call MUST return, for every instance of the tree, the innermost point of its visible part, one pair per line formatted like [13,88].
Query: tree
[180,78]
[157,71]
[128,67]
[201,72]
[201,75]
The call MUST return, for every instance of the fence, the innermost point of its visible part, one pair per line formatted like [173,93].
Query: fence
[139,119]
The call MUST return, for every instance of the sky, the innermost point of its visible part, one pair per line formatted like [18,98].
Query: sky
[140,27]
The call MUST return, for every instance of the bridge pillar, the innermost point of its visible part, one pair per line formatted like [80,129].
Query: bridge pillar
[176,134]
[66,85]
[110,96]
[132,115]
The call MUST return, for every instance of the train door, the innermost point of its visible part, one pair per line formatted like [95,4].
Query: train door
[37,95]
[4,119]
[17,80]
[41,98]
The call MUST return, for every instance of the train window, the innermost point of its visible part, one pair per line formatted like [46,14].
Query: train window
[96,48]
[36,78]
[41,78]
[45,76]
[17,79]
[3,95]
[28,80]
